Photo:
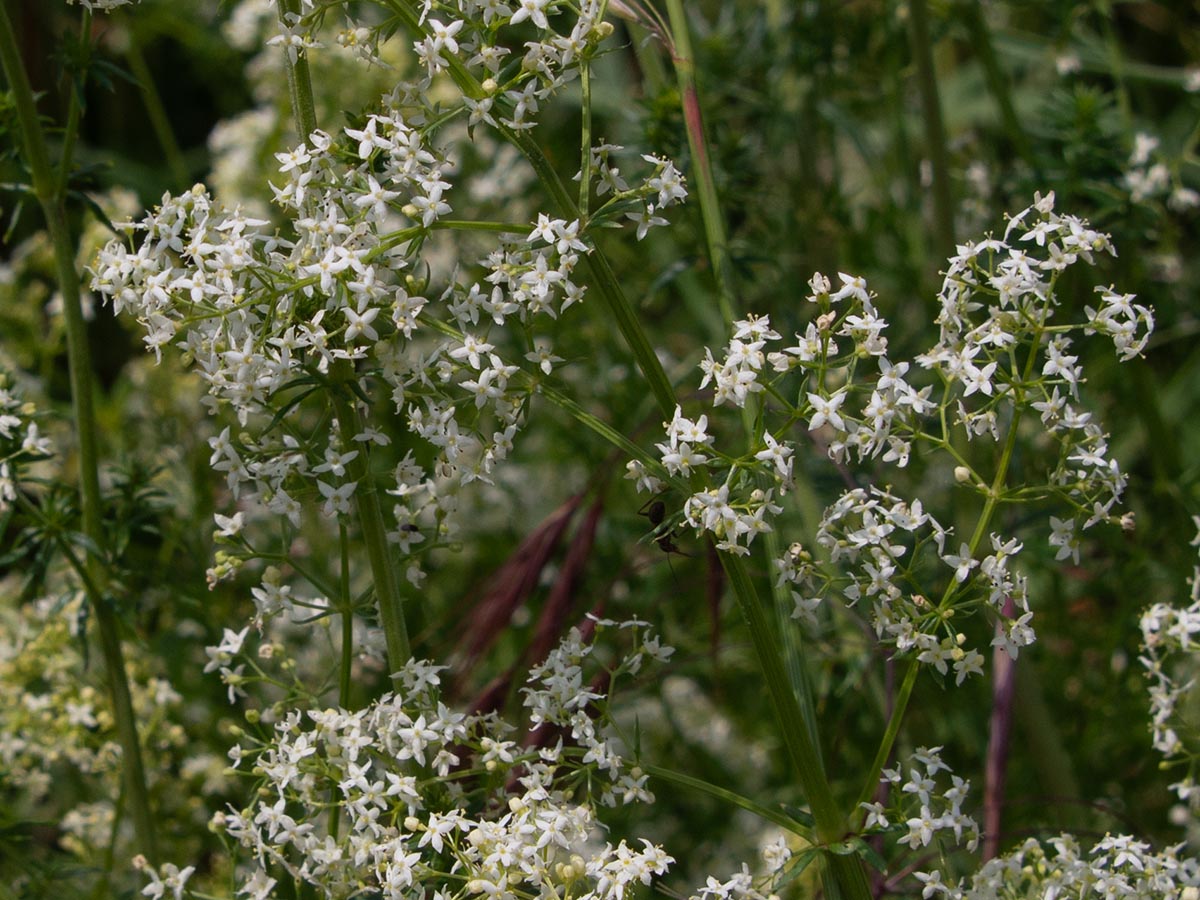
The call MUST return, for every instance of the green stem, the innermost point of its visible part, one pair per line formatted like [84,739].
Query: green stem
[792,649]
[935,131]
[46,187]
[710,208]
[610,434]
[831,825]
[299,80]
[1116,64]
[871,784]
[463,225]
[585,163]
[346,605]
[388,596]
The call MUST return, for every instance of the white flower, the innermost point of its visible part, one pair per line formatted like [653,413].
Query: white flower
[532,10]
[826,410]
[229,526]
[443,35]
[172,879]
[962,564]
[337,500]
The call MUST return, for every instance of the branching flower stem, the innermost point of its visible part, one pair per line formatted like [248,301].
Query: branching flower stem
[388,594]
[727,796]
[981,526]
[50,191]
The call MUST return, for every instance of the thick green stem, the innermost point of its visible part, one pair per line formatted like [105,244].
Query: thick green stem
[388,596]
[346,606]
[831,825]
[935,131]
[585,162]
[304,110]
[47,188]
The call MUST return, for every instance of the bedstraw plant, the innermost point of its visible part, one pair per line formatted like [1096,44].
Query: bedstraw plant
[404,304]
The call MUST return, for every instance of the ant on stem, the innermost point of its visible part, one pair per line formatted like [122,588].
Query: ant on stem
[655,510]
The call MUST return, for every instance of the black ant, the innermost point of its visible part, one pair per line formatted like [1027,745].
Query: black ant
[656,511]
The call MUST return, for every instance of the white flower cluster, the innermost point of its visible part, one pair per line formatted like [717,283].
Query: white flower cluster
[1116,866]
[1171,656]
[1149,176]
[998,355]
[1013,282]
[743,885]
[924,809]
[271,319]
[876,540]
[267,319]
[663,188]
[21,441]
[408,797]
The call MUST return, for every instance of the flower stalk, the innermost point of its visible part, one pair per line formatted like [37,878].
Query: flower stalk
[388,595]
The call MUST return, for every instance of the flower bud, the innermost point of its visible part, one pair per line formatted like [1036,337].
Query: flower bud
[962,474]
